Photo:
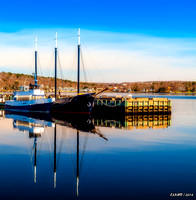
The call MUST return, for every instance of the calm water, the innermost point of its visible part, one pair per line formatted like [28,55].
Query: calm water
[134,158]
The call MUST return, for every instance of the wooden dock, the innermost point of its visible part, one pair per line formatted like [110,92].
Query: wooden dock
[109,105]
[129,105]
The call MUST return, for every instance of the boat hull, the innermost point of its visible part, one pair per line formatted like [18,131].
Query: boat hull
[80,104]
[29,106]
[2,105]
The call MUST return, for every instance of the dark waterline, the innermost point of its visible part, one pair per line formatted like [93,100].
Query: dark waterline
[140,160]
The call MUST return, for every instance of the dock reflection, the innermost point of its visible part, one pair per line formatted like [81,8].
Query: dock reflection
[129,122]
[89,123]
[35,125]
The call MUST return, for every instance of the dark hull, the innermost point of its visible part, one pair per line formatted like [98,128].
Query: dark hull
[81,104]
[2,105]
[79,122]
[45,116]
[45,107]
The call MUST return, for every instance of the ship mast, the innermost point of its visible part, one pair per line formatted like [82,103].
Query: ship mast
[55,72]
[78,88]
[35,75]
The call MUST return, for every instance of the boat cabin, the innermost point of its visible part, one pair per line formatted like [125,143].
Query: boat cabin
[27,93]
[2,98]
[24,88]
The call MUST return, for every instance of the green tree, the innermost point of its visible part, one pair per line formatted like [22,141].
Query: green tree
[16,85]
[135,87]
[162,90]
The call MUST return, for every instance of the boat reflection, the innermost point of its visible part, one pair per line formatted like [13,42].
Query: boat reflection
[89,123]
[79,123]
[35,125]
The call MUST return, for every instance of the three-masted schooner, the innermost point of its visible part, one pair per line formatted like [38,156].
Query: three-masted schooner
[79,104]
[32,99]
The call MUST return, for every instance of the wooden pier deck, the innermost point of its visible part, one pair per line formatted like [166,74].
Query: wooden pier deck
[115,105]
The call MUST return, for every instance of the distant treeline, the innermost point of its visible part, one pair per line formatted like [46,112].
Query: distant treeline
[11,81]
[160,86]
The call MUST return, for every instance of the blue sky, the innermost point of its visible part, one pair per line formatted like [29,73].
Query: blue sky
[161,32]
[155,17]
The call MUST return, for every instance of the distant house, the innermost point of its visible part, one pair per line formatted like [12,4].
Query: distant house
[151,90]
[144,90]
[181,89]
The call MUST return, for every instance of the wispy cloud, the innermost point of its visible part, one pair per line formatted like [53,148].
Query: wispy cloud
[117,56]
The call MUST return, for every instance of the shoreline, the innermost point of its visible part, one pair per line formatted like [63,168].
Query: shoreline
[123,93]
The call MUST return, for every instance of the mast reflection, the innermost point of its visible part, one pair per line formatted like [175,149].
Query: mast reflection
[77,173]
[79,123]
[35,155]
[35,125]
[55,156]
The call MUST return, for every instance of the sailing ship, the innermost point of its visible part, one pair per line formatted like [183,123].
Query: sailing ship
[32,98]
[79,104]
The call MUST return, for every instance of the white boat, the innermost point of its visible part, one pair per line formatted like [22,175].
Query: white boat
[32,98]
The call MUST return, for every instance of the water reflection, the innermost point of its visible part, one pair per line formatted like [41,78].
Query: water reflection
[88,123]
[142,159]
[35,126]
[135,121]
[78,123]
[31,126]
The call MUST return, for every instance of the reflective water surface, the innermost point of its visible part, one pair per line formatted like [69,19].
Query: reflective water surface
[124,157]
